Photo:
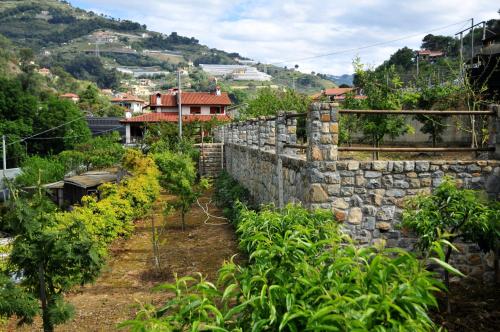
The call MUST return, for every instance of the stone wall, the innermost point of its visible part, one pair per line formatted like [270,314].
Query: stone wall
[210,160]
[366,196]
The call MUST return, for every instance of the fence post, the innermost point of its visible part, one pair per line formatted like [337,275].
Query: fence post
[494,132]
[280,139]
[322,150]
[291,135]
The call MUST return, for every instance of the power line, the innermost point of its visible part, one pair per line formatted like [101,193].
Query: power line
[368,46]
[77,136]
[45,131]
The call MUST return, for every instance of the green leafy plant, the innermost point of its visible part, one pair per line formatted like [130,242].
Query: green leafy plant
[452,214]
[302,274]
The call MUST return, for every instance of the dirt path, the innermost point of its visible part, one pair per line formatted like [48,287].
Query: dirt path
[129,275]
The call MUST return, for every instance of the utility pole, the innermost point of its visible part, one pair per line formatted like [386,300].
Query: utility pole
[461,55]
[4,155]
[471,41]
[179,101]
[418,57]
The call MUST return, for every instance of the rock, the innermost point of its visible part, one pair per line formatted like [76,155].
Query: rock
[347,191]
[437,174]
[383,226]
[409,165]
[398,166]
[411,174]
[370,223]
[317,194]
[347,181]
[425,182]
[379,165]
[340,203]
[355,216]
[316,153]
[457,168]
[371,174]
[360,180]
[473,168]
[333,189]
[401,184]
[369,210]
[339,215]
[386,213]
[395,193]
[353,165]
[387,181]
[332,178]
[422,166]
[373,184]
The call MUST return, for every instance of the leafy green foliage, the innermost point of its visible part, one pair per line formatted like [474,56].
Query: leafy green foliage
[38,169]
[98,152]
[383,92]
[228,193]
[303,274]
[178,176]
[461,213]
[451,214]
[270,102]
[14,301]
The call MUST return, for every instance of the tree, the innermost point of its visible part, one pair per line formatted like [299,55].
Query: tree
[53,258]
[178,176]
[270,102]
[452,214]
[38,169]
[383,91]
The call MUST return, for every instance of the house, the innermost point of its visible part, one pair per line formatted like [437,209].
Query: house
[429,55]
[71,96]
[75,187]
[131,103]
[44,72]
[338,94]
[195,107]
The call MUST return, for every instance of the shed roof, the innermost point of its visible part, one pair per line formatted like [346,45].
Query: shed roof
[91,179]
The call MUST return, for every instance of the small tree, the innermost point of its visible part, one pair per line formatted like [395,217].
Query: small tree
[453,214]
[52,257]
[382,89]
[178,176]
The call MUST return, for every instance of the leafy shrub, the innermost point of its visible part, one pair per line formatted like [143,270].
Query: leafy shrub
[227,193]
[35,169]
[303,275]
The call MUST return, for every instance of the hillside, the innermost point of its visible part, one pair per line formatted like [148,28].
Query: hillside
[64,36]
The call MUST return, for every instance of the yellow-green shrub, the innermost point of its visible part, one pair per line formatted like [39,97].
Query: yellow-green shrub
[120,203]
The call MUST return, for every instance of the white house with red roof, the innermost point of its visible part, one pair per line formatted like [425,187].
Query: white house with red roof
[195,106]
[131,103]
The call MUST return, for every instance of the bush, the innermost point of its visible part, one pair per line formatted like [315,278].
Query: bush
[119,204]
[228,192]
[303,274]
[35,169]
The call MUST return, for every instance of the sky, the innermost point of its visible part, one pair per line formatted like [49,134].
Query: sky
[291,32]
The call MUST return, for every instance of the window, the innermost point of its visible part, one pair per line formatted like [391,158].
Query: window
[215,110]
[195,110]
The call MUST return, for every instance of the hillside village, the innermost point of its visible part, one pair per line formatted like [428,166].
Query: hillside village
[249,195]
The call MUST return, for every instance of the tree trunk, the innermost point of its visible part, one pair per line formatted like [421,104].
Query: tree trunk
[183,221]
[155,244]
[447,281]
[47,324]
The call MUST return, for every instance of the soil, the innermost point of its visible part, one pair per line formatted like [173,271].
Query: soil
[474,307]
[129,275]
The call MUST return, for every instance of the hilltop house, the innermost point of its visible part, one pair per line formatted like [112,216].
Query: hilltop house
[428,55]
[195,106]
[338,94]
[131,103]
[71,96]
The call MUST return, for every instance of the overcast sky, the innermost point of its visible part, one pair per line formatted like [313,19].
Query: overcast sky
[273,31]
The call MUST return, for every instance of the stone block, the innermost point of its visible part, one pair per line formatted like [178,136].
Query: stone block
[379,165]
[317,194]
[331,178]
[333,189]
[316,153]
[425,182]
[386,213]
[346,191]
[334,128]
[340,203]
[373,184]
[383,226]
[347,181]
[387,181]
[437,174]
[371,174]
[365,165]
[360,180]
[352,165]
[398,166]
[409,166]
[401,184]
[325,117]
[339,215]
[355,216]
[369,210]
[395,193]
[370,223]
[422,166]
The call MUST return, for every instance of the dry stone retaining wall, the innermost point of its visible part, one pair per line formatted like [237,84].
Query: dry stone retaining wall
[366,196]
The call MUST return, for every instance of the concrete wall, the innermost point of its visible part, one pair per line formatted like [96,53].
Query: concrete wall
[366,196]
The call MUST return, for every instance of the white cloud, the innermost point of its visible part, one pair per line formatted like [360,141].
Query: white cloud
[273,30]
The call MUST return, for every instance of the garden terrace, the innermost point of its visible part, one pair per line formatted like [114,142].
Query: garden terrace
[368,196]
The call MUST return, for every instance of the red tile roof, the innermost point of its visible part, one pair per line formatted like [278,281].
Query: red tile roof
[69,95]
[127,97]
[172,117]
[337,91]
[191,98]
